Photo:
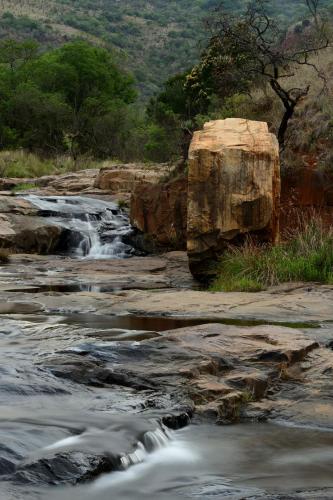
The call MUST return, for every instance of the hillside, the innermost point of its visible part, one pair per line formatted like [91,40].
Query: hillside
[154,39]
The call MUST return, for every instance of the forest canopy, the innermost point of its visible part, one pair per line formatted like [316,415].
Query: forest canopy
[71,99]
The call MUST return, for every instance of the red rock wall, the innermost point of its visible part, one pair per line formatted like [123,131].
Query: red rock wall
[160,211]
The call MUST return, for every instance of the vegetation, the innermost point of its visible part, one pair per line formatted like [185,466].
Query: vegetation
[307,256]
[21,164]
[24,186]
[253,49]
[71,100]
[154,40]
[258,69]
[76,101]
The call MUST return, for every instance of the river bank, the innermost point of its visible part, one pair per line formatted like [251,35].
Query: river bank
[119,372]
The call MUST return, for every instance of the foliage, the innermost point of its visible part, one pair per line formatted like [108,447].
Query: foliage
[308,256]
[21,164]
[73,99]
[24,186]
[173,114]
[252,49]
[154,39]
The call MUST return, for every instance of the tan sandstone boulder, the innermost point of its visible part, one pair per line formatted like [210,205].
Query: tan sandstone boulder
[124,178]
[233,188]
[22,230]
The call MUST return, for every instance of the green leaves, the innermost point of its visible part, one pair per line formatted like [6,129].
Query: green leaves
[47,98]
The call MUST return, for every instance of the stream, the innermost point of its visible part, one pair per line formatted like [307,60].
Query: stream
[73,428]
[97,229]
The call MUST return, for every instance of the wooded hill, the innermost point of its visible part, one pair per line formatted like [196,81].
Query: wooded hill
[154,39]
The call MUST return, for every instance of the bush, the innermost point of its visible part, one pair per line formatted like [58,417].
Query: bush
[307,256]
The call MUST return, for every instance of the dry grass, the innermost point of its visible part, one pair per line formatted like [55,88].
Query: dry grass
[310,132]
[27,165]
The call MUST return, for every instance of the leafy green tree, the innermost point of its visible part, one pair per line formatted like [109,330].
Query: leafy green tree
[89,83]
[63,99]
[173,116]
[38,119]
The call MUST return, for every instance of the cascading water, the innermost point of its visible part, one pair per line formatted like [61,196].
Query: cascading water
[152,441]
[96,229]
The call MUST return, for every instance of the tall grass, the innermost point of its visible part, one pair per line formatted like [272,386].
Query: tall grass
[307,256]
[28,165]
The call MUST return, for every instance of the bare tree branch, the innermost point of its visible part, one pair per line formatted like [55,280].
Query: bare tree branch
[253,47]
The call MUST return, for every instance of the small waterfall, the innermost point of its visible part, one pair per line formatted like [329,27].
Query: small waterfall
[102,239]
[152,441]
[96,228]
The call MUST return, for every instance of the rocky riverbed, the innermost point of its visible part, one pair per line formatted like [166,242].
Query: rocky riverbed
[122,378]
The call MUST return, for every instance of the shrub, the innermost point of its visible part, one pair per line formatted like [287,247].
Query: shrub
[307,256]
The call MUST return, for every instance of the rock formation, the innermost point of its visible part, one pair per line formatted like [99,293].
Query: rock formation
[233,188]
[122,179]
[23,230]
[159,211]
[72,183]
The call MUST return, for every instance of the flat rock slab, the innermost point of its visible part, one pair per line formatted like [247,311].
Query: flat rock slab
[148,273]
[19,308]
[307,304]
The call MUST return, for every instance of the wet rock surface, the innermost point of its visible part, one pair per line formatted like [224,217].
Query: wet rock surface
[87,386]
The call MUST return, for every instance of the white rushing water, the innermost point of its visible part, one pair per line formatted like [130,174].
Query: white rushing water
[96,227]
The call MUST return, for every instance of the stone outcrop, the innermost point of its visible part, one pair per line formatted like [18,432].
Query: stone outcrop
[23,230]
[72,183]
[122,179]
[29,234]
[233,188]
[159,211]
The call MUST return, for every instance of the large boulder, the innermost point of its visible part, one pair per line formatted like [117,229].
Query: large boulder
[159,211]
[233,188]
[26,233]
[23,230]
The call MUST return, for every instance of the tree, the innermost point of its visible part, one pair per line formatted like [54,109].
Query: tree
[90,84]
[173,115]
[252,48]
[64,99]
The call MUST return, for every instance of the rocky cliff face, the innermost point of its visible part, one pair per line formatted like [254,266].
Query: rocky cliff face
[159,210]
[122,179]
[233,188]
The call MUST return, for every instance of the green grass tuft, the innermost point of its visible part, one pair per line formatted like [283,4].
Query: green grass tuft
[307,257]
[24,186]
